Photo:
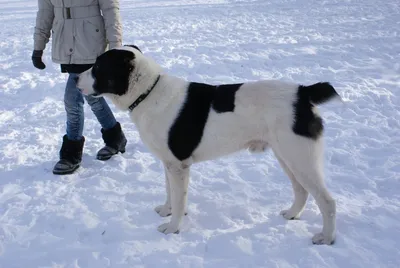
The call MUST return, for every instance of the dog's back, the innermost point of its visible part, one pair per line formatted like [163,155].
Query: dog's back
[254,110]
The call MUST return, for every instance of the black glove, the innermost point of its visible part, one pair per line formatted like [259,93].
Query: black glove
[37,59]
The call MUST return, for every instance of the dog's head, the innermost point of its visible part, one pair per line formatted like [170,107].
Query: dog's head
[121,74]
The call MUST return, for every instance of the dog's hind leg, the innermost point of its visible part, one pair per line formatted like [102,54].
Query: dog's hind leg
[300,194]
[178,176]
[165,210]
[304,157]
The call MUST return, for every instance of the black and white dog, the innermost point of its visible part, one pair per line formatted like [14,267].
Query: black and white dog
[183,123]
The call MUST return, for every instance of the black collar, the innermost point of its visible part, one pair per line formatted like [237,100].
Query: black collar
[143,96]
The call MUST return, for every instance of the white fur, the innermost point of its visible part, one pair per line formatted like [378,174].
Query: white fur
[262,119]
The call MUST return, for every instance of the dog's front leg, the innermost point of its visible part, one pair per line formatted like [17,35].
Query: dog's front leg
[178,175]
[165,210]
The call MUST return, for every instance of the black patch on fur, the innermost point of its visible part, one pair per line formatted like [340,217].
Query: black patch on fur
[135,47]
[306,122]
[224,99]
[187,130]
[320,92]
[111,72]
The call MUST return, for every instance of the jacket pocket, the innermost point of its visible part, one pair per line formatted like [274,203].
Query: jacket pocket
[57,40]
[94,29]
[90,39]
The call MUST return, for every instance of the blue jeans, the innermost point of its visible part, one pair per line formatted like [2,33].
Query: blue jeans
[73,101]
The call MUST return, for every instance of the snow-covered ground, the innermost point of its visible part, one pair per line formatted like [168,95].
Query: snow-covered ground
[103,216]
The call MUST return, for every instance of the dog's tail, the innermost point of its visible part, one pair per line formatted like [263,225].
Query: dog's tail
[306,122]
[317,93]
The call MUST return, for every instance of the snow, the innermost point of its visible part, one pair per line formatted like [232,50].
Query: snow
[103,216]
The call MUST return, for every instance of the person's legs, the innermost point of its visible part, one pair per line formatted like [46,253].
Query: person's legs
[73,141]
[111,130]
[102,112]
[73,102]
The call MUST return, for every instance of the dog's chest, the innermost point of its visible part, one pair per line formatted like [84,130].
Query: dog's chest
[155,118]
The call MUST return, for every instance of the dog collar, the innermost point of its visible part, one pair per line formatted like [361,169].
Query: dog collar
[143,96]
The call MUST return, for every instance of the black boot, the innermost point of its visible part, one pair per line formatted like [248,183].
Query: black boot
[70,156]
[115,142]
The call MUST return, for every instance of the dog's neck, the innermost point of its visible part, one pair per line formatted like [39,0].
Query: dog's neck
[143,96]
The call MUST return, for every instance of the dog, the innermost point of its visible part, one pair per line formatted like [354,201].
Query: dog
[184,122]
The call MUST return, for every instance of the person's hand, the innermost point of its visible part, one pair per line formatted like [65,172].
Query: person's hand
[37,59]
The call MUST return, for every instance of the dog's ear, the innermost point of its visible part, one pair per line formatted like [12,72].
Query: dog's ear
[128,60]
[119,82]
[135,47]
[127,56]
[121,60]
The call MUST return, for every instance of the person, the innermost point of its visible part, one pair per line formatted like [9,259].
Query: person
[81,30]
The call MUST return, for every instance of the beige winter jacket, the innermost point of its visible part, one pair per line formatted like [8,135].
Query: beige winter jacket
[80,29]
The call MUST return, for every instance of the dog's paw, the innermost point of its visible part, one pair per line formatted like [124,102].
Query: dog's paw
[166,228]
[163,210]
[320,239]
[289,215]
